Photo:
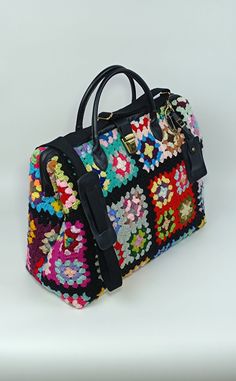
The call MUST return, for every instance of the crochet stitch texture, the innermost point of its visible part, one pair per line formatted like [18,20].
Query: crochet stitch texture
[150,203]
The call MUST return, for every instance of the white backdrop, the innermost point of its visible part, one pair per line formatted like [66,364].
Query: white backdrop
[175,319]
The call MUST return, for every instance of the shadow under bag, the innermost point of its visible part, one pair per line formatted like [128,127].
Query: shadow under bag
[106,199]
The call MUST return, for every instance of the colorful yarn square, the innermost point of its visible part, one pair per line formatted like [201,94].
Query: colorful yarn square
[129,218]
[121,167]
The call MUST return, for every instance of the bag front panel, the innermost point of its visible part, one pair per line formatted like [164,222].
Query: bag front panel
[149,200]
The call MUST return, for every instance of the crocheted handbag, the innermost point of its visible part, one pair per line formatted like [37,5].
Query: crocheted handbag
[107,199]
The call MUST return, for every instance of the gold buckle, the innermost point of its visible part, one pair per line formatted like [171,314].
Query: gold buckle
[105,117]
[129,143]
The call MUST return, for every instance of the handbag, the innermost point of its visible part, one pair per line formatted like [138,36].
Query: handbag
[106,199]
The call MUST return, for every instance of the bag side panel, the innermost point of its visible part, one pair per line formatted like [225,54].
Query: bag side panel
[57,237]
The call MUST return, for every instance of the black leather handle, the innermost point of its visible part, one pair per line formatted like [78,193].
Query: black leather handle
[92,87]
[99,155]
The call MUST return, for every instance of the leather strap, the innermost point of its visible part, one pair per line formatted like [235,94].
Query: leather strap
[99,155]
[96,214]
[92,87]
[110,268]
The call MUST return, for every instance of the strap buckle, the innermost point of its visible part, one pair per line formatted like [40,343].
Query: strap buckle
[129,143]
[105,116]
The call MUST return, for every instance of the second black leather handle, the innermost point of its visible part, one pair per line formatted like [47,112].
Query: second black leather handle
[92,87]
[98,153]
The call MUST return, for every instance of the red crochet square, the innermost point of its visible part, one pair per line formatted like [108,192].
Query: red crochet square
[173,200]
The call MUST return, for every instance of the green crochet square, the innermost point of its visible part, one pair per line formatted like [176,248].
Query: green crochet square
[121,167]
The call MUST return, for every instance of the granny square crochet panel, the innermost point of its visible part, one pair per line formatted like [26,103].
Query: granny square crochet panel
[150,202]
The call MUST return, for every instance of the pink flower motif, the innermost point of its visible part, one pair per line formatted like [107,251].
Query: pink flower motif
[74,239]
[66,193]
[121,164]
[133,208]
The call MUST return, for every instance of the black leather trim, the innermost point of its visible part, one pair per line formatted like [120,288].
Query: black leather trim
[193,157]
[100,158]
[192,149]
[95,209]
[110,269]
[45,157]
